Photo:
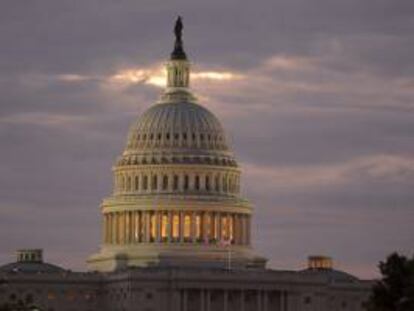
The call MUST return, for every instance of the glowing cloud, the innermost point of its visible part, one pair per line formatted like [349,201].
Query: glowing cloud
[157,76]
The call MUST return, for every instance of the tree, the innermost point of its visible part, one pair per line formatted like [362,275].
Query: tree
[395,290]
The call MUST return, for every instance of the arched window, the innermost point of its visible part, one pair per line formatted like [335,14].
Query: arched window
[154,182]
[186,182]
[207,183]
[122,179]
[217,183]
[129,183]
[197,183]
[136,182]
[175,183]
[145,183]
[165,182]
[207,225]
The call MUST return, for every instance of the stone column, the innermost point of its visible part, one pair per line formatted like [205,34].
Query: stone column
[184,300]
[158,219]
[193,227]
[147,226]
[171,225]
[127,228]
[218,219]
[248,231]
[225,300]
[181,233]
[208,300]
[265,301]
[259,300]
[242,307]
[202,300]
[282,301]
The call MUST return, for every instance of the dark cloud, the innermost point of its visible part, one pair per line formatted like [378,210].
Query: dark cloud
[327,95]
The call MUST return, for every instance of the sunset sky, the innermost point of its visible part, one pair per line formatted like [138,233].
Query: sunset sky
[316,96]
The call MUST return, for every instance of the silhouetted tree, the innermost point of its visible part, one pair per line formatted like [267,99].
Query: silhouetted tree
[395,291]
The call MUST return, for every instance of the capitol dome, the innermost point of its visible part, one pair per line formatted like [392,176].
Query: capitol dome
[181,125]
[176,196]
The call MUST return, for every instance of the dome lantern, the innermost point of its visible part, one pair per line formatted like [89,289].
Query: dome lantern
[178,68]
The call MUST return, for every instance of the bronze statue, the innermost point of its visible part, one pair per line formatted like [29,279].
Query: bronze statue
[178,29]
[178,52]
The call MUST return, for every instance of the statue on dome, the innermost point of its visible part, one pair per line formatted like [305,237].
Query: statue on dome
[178,29]
[178,52]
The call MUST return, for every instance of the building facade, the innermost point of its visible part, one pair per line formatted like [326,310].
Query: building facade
[176,232]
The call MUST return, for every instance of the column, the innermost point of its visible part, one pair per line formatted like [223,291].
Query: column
[208,300]
[181,233]
[259,300]
[265,300]
[242,307]
[218,219]
[127,222]
[226,300]
[184,300]
[248,222]
[282,301]
[108,229]
[158,220]
[193,227]
[115,228]
[202,300]
[171,225]
[147,226]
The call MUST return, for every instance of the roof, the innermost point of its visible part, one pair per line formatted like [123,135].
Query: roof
[333,276]
[30,267]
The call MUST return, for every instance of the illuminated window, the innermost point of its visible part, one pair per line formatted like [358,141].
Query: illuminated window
[198,226]
[136,220]
[51,295]
[153,226]
[207,225]
[187,226]
[141,227]
[165,182]
[214,226]
[164,226]
[176,226]
[230,230]
[224,228]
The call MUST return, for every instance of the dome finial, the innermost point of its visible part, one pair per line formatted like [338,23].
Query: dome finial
[178,52]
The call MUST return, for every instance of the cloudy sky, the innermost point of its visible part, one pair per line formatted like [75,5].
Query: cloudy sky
[316,95]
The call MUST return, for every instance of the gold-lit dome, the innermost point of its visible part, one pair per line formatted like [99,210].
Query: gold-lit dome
[176,198]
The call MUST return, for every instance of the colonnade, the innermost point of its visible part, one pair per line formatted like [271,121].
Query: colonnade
[129,227]
[183,139]
[228,300]
[147,182]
